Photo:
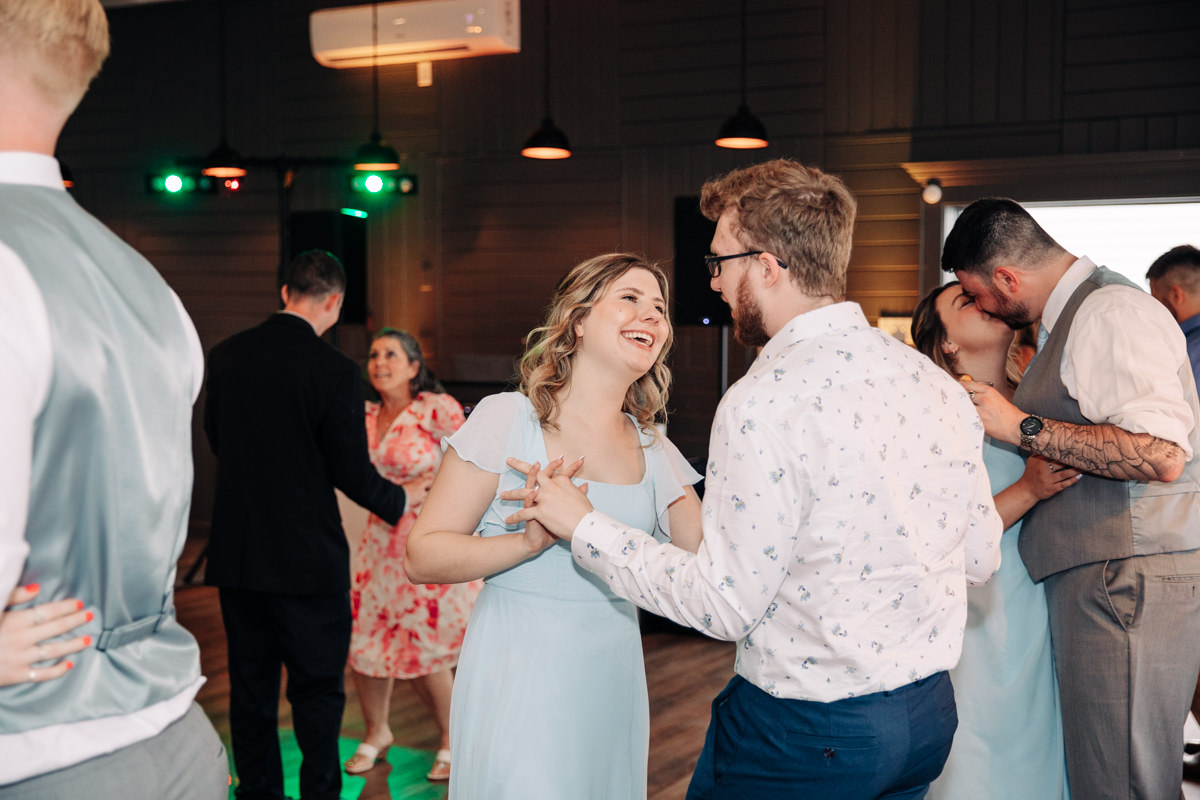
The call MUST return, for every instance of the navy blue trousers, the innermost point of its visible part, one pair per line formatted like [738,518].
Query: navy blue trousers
[882,745]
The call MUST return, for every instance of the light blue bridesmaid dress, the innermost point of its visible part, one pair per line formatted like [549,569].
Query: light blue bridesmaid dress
[550,696]
[1009,743]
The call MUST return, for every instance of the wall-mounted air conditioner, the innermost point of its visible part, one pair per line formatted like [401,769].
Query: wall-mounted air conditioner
[420,30]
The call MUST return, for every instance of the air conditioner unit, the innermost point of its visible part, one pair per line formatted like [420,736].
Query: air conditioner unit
[420,30]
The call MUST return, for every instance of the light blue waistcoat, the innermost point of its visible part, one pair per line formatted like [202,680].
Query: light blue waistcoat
[1103,518]
[112,464]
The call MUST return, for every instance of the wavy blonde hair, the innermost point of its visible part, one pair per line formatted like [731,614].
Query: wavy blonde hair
[545,368]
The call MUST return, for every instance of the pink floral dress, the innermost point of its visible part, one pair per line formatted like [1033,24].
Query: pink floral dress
[402,629]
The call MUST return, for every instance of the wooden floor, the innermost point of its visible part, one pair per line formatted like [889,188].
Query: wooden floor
[684,672]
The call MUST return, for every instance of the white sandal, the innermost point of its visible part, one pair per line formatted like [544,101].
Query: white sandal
[440,771]
[365,757]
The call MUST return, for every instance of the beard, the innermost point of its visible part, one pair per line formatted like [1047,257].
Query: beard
[748,325]
[1013,313]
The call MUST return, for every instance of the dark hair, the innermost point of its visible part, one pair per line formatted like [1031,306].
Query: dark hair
[993,232]
[1182,256]
[929,332]
[424,380]
[801,215]
[316,273]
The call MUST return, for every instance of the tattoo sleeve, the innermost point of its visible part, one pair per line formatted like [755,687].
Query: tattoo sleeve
[1110,451]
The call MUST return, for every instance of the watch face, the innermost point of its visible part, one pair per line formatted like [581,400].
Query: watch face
[1031,426]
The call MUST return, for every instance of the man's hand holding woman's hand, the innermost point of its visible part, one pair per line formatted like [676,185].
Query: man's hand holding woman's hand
[25,636]
[550,497]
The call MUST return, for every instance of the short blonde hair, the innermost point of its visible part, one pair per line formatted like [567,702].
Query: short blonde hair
[546,366]
[801,215]
[64,43]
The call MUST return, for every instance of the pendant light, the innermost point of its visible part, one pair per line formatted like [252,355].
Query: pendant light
[223,162]
[375,156]
[742,131]
[547,142]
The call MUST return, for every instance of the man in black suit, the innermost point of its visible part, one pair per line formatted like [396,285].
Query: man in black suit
[284,416]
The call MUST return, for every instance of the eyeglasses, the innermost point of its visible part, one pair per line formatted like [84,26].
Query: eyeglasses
[714,262]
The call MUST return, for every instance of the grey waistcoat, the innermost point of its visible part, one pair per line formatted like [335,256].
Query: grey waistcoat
[1103,518]
[112,464]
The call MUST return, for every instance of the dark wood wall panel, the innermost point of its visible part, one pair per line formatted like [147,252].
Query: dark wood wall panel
[1125,67]
[680,67]
[987,62]
[502,258]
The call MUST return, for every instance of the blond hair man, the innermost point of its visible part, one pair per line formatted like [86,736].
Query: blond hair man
[101,366]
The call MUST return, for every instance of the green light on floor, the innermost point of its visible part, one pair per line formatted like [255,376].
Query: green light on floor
[354,212]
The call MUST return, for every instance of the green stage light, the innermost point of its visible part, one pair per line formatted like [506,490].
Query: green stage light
[179,182]
[383,183]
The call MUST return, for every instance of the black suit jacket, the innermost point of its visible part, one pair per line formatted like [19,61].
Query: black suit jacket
[284,416]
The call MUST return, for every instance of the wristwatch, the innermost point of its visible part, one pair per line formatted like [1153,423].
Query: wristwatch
[1031,426]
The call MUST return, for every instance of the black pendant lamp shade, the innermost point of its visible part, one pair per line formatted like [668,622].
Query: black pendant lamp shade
[742,131]
[375,156]
[223,161]
[547,142]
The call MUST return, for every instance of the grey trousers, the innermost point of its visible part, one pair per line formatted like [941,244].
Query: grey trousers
[1126,641]
[185,762]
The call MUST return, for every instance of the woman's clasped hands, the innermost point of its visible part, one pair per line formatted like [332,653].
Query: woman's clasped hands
[26,635]
[553,504]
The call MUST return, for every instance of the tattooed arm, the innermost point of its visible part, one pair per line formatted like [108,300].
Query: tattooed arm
[1103,449]
[1110,451]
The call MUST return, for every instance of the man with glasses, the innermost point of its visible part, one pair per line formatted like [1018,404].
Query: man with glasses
[845,509]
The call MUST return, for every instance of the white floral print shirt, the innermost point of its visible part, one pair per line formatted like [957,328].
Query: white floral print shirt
[846,507]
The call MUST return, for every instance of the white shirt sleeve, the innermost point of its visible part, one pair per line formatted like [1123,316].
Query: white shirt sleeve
[750,526]
[1131,381]
[25,364]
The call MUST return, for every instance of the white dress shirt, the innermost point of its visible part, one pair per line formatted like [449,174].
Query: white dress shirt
[845,509]
[26,366]
[1117,378]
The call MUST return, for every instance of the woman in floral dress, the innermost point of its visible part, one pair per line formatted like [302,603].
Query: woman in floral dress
[401,629]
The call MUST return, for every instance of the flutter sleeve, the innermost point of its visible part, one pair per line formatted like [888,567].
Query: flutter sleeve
[494,431]
[670,473]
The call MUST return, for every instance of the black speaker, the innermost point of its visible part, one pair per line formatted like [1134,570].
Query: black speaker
[695,302]
[344,236]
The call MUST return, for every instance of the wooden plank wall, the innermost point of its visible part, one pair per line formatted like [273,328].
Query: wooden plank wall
[856,87]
